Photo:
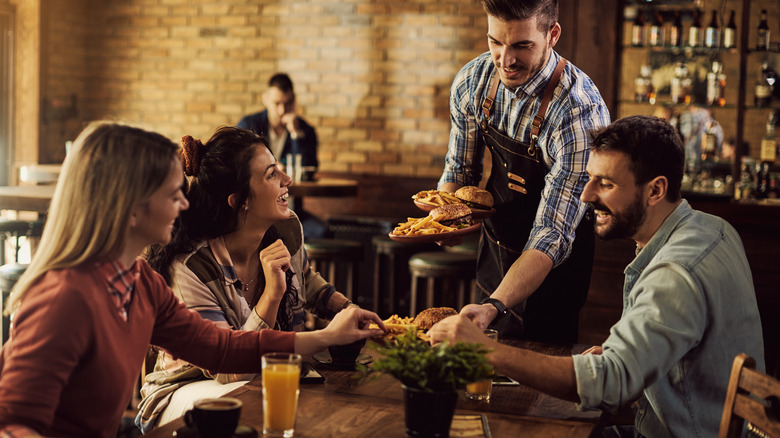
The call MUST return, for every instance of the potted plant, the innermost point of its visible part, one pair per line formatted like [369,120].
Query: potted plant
[430,378]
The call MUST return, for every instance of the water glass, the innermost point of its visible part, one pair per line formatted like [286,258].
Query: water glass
[481,390]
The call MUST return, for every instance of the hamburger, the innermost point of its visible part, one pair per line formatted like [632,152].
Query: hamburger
[474,197]
[452,215]
[429,317]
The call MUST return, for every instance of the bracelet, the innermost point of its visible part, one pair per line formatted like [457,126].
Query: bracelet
[347,304]
[502,310]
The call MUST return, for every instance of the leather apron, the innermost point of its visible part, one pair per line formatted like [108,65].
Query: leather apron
[516,182]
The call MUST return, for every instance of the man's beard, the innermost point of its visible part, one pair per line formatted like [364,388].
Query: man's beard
[624,224]
[527,71]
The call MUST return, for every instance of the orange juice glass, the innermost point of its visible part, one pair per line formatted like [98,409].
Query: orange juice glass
[481,390]
[281,374]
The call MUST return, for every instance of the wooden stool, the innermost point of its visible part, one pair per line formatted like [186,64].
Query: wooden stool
[12,229]
[388,256]
[326,254]
[461,267]
[9,274]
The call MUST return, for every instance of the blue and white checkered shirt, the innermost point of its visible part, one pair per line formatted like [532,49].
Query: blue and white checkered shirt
[575,109]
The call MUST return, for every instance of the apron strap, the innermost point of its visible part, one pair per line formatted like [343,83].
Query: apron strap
[536,125]
[487,104]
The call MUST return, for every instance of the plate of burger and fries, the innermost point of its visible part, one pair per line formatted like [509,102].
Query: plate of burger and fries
[480,201]
[448,218]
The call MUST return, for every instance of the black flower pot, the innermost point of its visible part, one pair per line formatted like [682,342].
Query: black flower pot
[429,414]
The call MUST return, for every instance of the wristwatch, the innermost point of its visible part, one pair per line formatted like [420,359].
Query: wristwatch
[502,310]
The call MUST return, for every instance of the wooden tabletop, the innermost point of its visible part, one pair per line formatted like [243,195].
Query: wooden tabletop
[346,407]
[325,187]
[26,198]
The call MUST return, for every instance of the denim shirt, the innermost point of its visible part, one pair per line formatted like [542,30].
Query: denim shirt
[689,308]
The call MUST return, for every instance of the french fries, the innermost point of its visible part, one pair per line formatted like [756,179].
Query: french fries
[420,226]
[436,198]
[397,326]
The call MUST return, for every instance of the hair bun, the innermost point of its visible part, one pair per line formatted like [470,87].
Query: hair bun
[190,154]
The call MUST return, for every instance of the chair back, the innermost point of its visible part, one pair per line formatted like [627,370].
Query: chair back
[752,396]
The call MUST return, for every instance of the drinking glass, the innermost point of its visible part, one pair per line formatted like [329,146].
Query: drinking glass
[281,373]
[481,390]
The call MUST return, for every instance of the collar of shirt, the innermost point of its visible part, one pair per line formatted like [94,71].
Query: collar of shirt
[537,84]
[121,283]
[645,255]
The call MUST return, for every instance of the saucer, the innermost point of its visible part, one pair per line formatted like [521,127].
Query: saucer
[324,358]
[191,432]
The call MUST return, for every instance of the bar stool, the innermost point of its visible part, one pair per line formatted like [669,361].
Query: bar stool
[446,265]
[389,255]
[12,229]
[9,274]
[326,254]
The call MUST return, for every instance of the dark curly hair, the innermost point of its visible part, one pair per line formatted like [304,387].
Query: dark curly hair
[215,170]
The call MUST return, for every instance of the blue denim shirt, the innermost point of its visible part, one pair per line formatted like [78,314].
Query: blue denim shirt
[689,308]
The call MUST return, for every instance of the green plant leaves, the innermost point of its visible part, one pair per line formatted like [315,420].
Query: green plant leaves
[443,367]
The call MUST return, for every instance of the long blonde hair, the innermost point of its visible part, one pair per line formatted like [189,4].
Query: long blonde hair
[110,169]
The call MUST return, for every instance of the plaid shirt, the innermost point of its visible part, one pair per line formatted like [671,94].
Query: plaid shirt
[575,108]
[121,283]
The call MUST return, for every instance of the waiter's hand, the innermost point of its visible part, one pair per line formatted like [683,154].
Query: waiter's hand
[457,328]
[481,314]
[450,242]
[290,122]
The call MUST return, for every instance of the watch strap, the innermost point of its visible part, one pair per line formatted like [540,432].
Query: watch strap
[502,310]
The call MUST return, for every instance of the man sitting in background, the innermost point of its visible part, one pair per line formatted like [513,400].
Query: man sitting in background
[689,306]
[288,135]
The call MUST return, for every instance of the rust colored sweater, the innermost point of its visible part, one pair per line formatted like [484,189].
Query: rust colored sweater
[71,363]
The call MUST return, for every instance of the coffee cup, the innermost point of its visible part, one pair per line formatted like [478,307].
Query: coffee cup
[214,417]
[346,354]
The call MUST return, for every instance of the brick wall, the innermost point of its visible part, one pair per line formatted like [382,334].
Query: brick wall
[372,76]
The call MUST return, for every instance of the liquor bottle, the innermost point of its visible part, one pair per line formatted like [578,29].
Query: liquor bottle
[676,31]
[694,32]
[765,86]
[638,30]
[716,85]
[769,143]
[708,142]
[657,30]
[643,83]
[712,33]
[762,39]
[682,84]
[762,181]
[730,32]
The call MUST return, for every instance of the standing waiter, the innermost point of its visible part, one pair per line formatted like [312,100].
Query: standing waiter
[533,111]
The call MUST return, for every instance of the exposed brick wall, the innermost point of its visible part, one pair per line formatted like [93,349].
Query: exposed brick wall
[372,76]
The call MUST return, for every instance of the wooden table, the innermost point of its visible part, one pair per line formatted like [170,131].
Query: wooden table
[26,198]
[344,407]
[324,187]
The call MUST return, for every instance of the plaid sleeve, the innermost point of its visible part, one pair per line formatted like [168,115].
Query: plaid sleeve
[561,210]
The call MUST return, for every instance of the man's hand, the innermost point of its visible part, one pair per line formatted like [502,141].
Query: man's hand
[481,314]
[290,122]
[458,328]
[594,350]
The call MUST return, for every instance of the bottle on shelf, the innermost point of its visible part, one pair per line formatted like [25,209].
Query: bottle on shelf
[768,152]
[682,84]
[761,186]
[765,86]
[709,143]
[716,85]
[638,30]
[762,34]
[730,32]
[695,36]
[744,189]
[644,91]
[657,31]
[712,33]
[676,31]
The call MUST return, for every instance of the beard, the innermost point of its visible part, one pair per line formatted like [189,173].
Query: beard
[522,73]
[624,224]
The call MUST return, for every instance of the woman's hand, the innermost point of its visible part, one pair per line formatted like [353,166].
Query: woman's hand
[275,260]
[349,325]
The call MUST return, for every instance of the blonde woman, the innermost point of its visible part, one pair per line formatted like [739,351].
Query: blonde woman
[87,307]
